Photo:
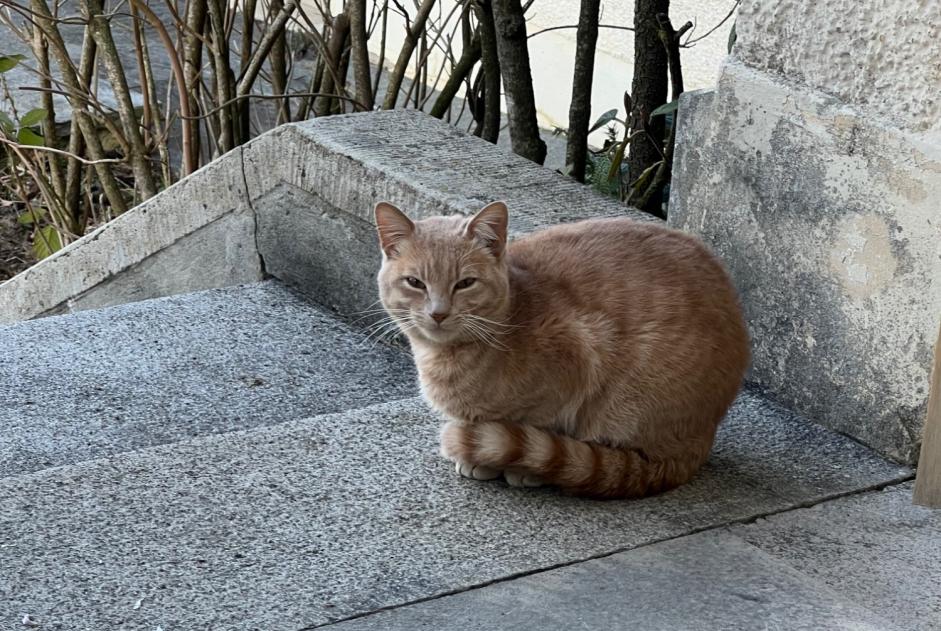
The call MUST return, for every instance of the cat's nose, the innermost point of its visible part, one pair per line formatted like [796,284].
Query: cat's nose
[439,317]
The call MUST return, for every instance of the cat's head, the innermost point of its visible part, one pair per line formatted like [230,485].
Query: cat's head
[444,279]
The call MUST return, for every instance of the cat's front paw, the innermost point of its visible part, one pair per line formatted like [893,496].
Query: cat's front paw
[514,478]
[454,447]
[455,441]
[476,471]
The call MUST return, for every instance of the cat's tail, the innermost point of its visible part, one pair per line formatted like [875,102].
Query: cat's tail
[578,467]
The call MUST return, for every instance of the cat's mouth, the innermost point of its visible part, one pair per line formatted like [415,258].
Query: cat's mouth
[449,330]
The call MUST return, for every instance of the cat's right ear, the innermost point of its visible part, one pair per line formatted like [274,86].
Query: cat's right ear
[393,226]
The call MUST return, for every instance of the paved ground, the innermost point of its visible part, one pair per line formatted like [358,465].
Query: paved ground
[266,470]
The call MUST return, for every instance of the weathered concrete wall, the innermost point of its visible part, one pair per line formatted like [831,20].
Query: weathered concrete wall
[314,186]
[883,57]
[821,190]
[86,273]
[325,252]
[301,196]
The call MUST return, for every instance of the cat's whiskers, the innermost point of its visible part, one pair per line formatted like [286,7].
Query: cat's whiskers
[382,312]
[492,323]
[369,307]
[386,328]
[480,332]
[388,336]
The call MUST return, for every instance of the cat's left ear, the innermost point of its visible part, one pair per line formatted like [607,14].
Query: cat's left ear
[489,226]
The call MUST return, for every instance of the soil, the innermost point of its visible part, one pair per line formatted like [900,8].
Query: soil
[16,250]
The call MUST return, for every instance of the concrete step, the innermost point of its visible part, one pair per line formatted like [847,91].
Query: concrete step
[710,580]
[98,383]
[319,520]
[867,562]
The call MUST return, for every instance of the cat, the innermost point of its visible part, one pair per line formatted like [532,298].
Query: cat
[597,356]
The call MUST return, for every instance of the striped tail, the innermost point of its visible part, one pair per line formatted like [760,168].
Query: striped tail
[579,468]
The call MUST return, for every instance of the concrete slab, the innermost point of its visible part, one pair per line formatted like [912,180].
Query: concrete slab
[330,255]
[706,581]
[346,162]
[876,548]
[160,223]
[102,382]
[220,254]
[826,218]
[331,172]
[796,458]
[317,520]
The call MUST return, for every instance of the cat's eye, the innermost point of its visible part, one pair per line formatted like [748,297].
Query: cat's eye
[414,282]
[465,283]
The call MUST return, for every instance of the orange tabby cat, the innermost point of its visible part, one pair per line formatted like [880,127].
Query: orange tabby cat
[597,356]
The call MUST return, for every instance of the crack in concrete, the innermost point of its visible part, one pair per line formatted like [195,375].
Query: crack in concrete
[251,206]
[511,577]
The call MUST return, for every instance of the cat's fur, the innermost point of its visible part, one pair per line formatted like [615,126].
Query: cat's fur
[598,356]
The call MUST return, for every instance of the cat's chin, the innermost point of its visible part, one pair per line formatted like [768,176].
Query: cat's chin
[440,336]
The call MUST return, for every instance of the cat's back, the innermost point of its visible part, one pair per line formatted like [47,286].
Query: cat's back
[602,249]
[641,276]
[642,292]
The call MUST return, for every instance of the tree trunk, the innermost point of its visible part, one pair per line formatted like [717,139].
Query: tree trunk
[74,168]
[513,53]
[323,105]
[459,73]
[111,58]
[359,53]
[75,93]
[195,18]
[576,150]
[490,66]
[245,55]
[277,58]
[649,87]
[651,199]
[220,70]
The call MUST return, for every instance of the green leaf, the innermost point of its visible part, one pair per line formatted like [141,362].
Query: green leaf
[47,241]
[666,108]
[27,136]
[6,123]
[732,37]
[27,218]
[32,117]
[619,155]
[603,120]
[9,62]
[641,183]
[615,168]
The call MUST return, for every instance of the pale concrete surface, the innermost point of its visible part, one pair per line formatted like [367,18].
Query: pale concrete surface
[330,255]
[115,380]
[662,587]
[220,254]
[882,57]
[826,218]
[160,223]
[876,548]
[312,521]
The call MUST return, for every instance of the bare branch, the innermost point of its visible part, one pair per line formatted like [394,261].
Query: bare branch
[412,34]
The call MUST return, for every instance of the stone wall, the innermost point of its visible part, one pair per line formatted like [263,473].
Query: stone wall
[296,203]
[814,169]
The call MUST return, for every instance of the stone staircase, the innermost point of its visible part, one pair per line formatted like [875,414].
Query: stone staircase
[240,459]
[197,434]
